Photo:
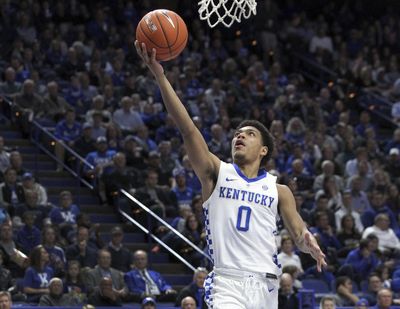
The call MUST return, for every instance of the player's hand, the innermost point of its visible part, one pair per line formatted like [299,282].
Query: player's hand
[315,250]
[150,60]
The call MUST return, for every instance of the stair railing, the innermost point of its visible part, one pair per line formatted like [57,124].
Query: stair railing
[45,141]
[324,76]
[147,210]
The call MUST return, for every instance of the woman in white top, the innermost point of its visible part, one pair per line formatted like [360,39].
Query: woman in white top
[387,238]
[287,256]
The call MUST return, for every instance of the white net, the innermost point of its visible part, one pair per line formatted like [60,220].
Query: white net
[226,11]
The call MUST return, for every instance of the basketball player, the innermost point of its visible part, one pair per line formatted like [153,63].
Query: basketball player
[241,206]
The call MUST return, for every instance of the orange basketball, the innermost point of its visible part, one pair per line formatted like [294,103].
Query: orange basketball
[163,30]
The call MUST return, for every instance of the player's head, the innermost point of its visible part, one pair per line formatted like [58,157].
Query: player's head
[252,141]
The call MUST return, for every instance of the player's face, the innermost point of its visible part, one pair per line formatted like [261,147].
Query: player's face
[247,145]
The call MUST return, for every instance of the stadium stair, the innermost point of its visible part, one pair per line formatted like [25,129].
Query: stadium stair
[44,167]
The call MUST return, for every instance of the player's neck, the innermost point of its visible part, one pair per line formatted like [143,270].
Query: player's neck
[249,170]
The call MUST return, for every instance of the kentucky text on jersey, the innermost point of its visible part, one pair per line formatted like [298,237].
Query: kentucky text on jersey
[248,196]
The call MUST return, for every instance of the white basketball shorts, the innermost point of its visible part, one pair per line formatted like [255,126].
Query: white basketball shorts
[236,289]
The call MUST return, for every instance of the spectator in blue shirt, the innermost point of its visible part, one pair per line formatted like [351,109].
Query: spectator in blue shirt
[362,260]
[325,231]
[167,131]
[118,74]
[38,275]
[198,121]
[67,131]
[142,282]
[192,181]
[144,140]
[98,126]
[99,27]
[29,236]
[65,215]
[74,94]
[359,198]
[295,131]
[152,116]
[101,159]
[378,206]
[57,258]
[184,195]
[298,153]
[102,163]
[364,124]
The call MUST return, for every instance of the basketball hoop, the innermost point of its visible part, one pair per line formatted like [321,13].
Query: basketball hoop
[226,11]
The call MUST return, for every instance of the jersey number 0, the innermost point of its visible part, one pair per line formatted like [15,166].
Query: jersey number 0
[243,218]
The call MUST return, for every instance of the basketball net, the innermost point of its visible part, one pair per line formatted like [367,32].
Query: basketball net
[226,12]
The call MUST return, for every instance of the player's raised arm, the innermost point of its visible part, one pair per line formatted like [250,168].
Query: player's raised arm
[204,163]
[304,240]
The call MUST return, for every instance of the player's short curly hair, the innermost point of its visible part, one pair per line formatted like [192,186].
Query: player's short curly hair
[268,139]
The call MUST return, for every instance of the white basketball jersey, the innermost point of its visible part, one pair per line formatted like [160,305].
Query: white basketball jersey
[240,221]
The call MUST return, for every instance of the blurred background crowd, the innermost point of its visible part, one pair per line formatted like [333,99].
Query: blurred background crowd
[72,67]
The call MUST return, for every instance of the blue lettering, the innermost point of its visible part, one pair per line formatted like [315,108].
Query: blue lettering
[251,196]
[264,200]
[222,191]
[236,194]
[244,194]
[228,193]
[271,199]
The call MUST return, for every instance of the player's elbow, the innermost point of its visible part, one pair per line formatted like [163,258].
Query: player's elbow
[188,131]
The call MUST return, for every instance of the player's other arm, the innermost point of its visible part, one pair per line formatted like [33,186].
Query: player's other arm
[204,163]
[304,240]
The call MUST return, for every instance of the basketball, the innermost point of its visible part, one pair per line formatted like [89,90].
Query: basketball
[165,31]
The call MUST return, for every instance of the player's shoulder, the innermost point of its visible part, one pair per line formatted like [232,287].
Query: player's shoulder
[283,190]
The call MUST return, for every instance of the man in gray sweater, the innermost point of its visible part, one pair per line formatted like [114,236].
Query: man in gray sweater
[56,297]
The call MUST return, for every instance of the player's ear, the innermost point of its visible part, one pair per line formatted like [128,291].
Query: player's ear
[264,151]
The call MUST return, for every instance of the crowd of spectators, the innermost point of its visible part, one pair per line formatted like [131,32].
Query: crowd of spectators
[73,67]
